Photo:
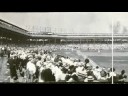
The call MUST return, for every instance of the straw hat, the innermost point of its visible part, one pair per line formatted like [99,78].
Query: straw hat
[90,78]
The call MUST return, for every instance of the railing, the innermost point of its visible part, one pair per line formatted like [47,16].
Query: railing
[80,34]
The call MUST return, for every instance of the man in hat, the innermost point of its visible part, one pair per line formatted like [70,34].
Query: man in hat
[122,76]
[81,72]
[12,67]
[2,52]
[103,73]
[89,79]
[90,72]
[31,69]
[86,63]
[47,75]
[8,52]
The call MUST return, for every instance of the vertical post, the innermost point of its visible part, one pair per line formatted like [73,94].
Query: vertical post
[60,42]
[112,51]
[55,41]
[88,44]
[29,42]
[49,41]
[107,41]
[80,43]
[43,41]
[36,42]
[2,39]
[121,42]
[94,42]
[66,44]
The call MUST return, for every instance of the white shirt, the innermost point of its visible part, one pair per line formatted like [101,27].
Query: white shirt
[58,74]
[31,67]
[63,60]
[112,74]
[97,74]
[23,56]
[41,69]
[68,61]
[79,63]
[79,69]
[3,48]
[80,72]
[43,56]
[38,64]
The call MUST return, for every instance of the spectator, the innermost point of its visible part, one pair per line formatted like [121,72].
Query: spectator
[113,75]
[89,79]
[86,63]
[122,76]
[13,72]
[47,76]
[103,73]
[43,65]
[31,69]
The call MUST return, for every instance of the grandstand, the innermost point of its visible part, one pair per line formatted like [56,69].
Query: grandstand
[13,33]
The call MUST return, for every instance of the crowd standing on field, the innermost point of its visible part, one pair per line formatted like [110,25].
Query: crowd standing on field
[40,64]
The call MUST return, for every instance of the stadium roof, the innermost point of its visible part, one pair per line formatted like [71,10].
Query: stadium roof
[11,25]
[14,28]
[7,28]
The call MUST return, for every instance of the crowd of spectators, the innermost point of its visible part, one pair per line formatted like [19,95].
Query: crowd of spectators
[41,64]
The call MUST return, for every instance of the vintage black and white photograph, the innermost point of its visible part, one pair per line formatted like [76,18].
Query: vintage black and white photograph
[63,47]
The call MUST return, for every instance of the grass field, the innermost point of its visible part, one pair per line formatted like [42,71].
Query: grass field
[103,59]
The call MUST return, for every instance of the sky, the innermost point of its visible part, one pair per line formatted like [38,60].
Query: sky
[70,22]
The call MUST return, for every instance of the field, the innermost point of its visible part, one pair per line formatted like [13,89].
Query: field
[103,59]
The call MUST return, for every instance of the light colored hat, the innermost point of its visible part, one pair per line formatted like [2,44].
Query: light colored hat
[103,68]
[30,59]
[11,56]
[30,56]
[90,78]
